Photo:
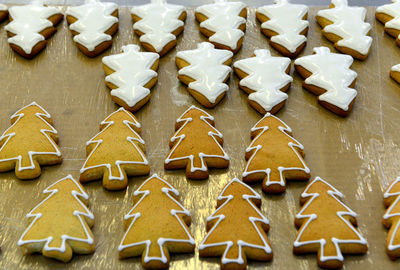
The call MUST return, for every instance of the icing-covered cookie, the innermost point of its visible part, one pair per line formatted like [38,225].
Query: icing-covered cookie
[395,73]
[265,79]
[345,26]
[391,219]
[286,25]
[224,23]
[130,75]
[329,76]
[389,15]
[205,70]
[3,12]
[158,24]
[93,25]
[30,26]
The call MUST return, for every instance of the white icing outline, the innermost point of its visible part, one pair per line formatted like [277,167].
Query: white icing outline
[388,214]
[160,241]
[284,129]
[130,139]
[396,68]
[89,240]
[43,131]
[3,7]
[224,260]
[334,193]
[392,10]
[180,138]
[266,76]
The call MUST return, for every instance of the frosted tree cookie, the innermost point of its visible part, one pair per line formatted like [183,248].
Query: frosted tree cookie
[389,15]
[391,219]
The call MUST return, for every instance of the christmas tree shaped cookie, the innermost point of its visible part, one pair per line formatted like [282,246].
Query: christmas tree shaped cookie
[274,156]
[389,15]
[3,12]
[224,23]
[29,143]
[265,79]
[60,224]
[130,75]
[156,226]
[116,152]
[30,26]
[196,145]
[93,25]
[391,219]
[395,73]
[205,71]
[237,230]
[327,226]
[345,26]
[286,25]
[158,24]
[328,75]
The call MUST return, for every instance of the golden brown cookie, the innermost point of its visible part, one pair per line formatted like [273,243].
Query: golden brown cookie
[156,226]
[3,12]
[29,143]
[327,226]
[395,73]
[196,145]
[391,219]
[60,224]
[237,230]
[389,15]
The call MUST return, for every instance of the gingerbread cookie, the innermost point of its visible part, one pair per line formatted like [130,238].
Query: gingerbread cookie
[93,24]
[327,226]
[196,145]
[116,152]
[224,23]
[237,230]
[158,24]
[60,224]
[345,26]
[30,142]
[30,26]
[286,26]
[274,156]
[130,75]
[328,75]
[265,79]
[391,219]
[395,73]
[3,12]
[389,15]
[156,226]
[205,71]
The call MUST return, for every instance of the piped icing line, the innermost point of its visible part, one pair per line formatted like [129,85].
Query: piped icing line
[27,22]
[207,69]
[161,241]
[348,23]
[334,193]
[266,76]
[45,132]
[285,129]
[87,214]
[388,214]
[286,19]
[392,10]
[3,7]
[214,133]
[132,71]
[330,71]
[158,20]
[93,20]
[396,68]
[130,139]
[220,217]
[224,21]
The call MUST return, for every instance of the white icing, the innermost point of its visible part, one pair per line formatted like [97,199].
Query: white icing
[285,129]
[93,19]
[27,22]
[348,23]
[254,220]
[392,10]
[131,139]
[266,76]
[207,69]
[132,71]
[50,129]
[79,192]
[334,193]
[3,7]
[389,214]
[396,68]
[177,213]
[330,71]
[224,21]
[287,20]
[214,133]
[158,20]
